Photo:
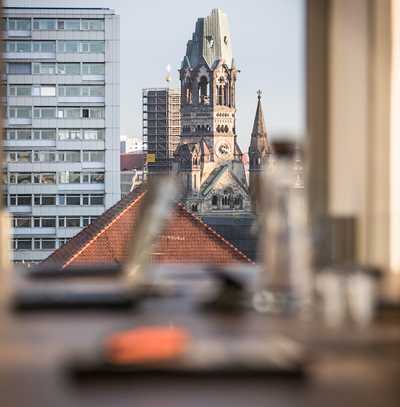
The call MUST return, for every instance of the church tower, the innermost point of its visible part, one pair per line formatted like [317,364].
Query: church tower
[208,158]
[259,151]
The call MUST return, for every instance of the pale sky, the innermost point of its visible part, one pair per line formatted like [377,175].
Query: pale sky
[267,40]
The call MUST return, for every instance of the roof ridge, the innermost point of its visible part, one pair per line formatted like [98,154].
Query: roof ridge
[214,232]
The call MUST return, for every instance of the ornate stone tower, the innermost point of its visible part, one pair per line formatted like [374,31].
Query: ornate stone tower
[259,151]
[209,159]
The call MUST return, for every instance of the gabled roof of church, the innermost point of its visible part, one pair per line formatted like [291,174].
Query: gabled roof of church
[186,239]
[259,138]
[189,148]
[215,175]
[210,41]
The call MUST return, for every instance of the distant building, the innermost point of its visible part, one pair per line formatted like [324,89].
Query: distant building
[186,239]
[132,175]
[209,159]
[61,122]
[122,148]
[161,128]
[130,144]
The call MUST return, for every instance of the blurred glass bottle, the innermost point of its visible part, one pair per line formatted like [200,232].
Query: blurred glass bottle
[285,284]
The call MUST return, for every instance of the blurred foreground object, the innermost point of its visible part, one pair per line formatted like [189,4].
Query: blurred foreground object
[5,250]
[161,196]
[285,249]
[348,295]
[146,344]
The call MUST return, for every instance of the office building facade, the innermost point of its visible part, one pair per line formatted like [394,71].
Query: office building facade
[61,94]
[161,128]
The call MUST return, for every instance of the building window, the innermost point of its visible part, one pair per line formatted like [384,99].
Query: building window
[220,94]
[68,113]
[93,178]
[69,25]
[69,222]
[227,201]
[97,134]
[44,113]
[22,222]
[44,156]
[238,202]
[45,200]
[214,201]
[85,47]
[69,69]
[93,156]
[20,90]
[44,243]
[81,91]
[93,69]
[20,200]
[69,177]
[22,244]
[44,178]
[44,68]
[19,112]
[19,156]
[19,68]
[44,24]
[19,24]
[69,200]
[204,90]
[44,91]
[22,134]
[87,220]
[96,199]
[72,200]
[92,25]
[69,134]
[30,46]
[69,156]
[18,46]
[44,134]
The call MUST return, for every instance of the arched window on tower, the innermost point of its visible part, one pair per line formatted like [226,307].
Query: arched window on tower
[238,202]
[226,94]
[227,201]
[203,91]
[188,93]
[220,94]
[214,201]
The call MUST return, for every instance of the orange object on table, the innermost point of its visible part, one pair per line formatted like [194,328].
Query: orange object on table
[145,344]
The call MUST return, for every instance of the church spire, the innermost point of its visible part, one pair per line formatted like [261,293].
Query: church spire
[259,139]
[259,151]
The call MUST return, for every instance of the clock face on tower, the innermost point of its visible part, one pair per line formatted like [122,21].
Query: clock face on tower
[223,150]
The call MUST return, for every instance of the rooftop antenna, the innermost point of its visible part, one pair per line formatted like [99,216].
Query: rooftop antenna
[168,76]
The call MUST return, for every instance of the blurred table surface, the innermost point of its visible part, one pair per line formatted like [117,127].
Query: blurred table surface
[350,366]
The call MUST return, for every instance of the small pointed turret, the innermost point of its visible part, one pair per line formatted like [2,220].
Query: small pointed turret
[259,150]
[259,139]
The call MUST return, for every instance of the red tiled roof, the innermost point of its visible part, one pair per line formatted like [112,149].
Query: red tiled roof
[186,239]
[132,161]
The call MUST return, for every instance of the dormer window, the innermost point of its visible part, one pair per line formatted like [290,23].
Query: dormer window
[210,41]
